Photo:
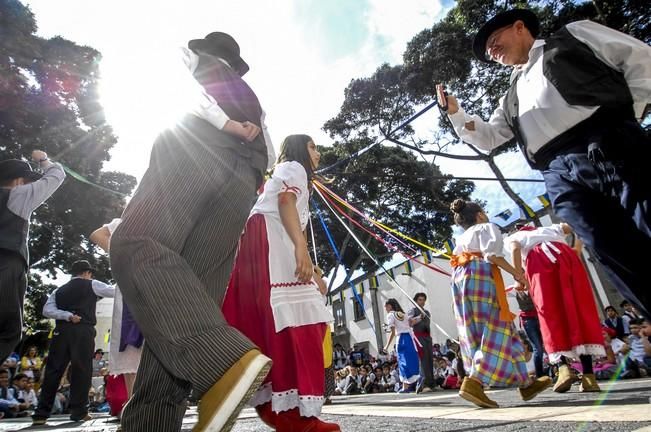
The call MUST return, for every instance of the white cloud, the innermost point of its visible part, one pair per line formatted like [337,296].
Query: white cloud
[299,86]
[397,22]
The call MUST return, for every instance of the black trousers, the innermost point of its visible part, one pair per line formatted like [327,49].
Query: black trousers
[13,283]
[605,196]
[71,344]
[427,362]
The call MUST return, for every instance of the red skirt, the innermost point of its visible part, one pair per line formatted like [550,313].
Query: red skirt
[296,378]
[564,300]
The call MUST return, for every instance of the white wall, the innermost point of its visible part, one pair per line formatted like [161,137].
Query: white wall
[423,279]
[104,312]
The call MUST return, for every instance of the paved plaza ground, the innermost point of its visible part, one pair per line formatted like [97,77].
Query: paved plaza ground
[623,406]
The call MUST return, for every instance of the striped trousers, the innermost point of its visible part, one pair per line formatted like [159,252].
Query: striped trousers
[172,257]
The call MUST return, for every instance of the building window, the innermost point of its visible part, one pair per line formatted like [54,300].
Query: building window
[358,309]
[338,312]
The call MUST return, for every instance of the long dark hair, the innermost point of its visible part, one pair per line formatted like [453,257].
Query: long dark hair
[465,212]
[294,148]
[394,305]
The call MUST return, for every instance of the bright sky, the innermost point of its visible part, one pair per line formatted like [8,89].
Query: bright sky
[302,55]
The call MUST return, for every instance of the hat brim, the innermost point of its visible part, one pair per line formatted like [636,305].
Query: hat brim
[237,63]
[497,22]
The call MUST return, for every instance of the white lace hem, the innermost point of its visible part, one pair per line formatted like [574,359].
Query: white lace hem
[308,405]
[579,350]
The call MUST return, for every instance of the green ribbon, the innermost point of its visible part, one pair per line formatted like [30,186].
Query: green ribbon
[83,179]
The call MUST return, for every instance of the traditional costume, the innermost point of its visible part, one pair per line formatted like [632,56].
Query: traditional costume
[406,347]
[286,318]
[561,292]
[490,347]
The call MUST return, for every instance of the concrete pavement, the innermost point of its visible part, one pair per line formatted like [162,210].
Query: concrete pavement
[622,406]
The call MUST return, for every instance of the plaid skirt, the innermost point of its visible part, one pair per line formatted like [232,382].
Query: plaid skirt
[491,349]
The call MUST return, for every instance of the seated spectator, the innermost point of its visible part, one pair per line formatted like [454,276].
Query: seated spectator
[395,374]
[366,379]
[340,381]
[352,383]
[389,381]
[377,381]
[615,322]
[31,363]
[98,363]
[10,407]
[640,346]
[457,363]
[357,358]
[11,364]
[30,394]
[606,367]
[20,385]
[62,399]
[448,375]
[436,350]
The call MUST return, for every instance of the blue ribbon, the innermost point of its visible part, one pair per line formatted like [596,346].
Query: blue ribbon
[340,262]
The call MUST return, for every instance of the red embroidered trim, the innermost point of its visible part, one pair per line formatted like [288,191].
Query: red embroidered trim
[289,188]
[288,284]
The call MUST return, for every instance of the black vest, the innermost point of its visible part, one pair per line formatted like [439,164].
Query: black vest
[618,327]
[78,297]
[582,79]
[424,325]
[525,303]
[14,230]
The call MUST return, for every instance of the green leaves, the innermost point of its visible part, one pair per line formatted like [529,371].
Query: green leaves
[49,101]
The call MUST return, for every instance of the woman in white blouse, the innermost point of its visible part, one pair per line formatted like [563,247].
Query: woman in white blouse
[275,294]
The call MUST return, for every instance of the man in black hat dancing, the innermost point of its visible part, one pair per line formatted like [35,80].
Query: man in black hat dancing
[21,192]
[73,307]
[572,107]
[172,254]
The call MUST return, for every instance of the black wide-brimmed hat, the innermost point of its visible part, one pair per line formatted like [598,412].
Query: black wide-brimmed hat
[78,267]
[502,20]
[221,45]
[15,168]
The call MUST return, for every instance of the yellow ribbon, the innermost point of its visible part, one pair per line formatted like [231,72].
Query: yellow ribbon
[437,252]
[327,348]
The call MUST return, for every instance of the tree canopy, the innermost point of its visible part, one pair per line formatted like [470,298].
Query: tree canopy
[49,101]
[387,181]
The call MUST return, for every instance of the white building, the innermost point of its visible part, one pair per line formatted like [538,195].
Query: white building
[354,323]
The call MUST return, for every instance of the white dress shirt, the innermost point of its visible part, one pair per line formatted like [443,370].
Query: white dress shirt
[543,113]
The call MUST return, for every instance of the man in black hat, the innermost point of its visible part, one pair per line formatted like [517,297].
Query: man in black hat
[73,307]
[572,107]
[173,253]
[21,192]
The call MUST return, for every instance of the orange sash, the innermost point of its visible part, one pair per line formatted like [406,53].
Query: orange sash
[500,291]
